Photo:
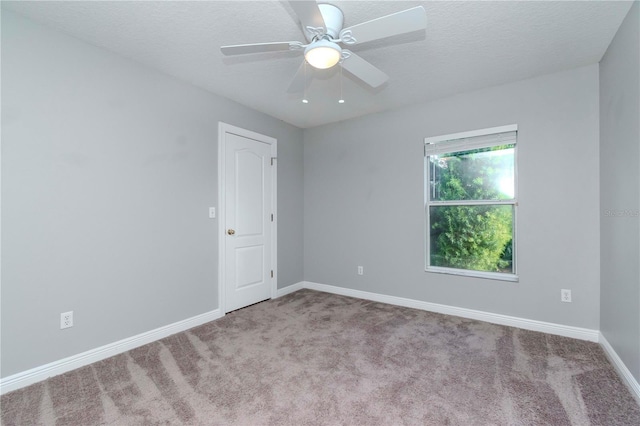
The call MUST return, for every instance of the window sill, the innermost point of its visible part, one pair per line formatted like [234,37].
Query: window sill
[474,274]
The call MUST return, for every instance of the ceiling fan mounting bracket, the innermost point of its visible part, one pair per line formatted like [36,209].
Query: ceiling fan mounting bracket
[344,55]
[346,37]
[296,45]
[326,37]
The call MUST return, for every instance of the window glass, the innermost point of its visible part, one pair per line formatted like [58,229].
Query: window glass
[478,237]
[479,174]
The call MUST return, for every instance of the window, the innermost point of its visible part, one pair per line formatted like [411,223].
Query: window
[470,203]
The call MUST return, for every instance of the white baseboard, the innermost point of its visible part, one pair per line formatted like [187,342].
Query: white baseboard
[527,324]
[289,289]
[55,368]
[622,369]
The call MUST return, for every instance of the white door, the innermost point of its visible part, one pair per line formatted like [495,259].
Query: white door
[247,225]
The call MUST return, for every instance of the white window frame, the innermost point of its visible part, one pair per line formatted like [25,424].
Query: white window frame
[461,142]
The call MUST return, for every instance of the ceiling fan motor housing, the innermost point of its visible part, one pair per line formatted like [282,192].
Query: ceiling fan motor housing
[333,19]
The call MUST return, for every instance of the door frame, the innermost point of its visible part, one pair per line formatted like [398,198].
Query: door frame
[223,129]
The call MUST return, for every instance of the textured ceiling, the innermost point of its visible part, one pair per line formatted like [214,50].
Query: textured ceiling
[467,46]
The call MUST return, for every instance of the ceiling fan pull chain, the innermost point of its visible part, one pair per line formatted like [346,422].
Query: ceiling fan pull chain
[304,94]
[341,100]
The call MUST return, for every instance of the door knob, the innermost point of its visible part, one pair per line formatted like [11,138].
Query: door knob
[231,231]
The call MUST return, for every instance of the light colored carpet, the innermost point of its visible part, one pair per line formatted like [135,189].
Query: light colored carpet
[314,358]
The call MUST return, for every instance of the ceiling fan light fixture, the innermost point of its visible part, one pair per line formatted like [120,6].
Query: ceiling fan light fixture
[323,54]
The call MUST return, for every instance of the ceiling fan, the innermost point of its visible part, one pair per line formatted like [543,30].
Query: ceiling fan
[322,27]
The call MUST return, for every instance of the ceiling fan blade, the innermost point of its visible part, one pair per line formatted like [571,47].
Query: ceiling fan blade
[409,20]
[309,14]
[363,70]
[244,49]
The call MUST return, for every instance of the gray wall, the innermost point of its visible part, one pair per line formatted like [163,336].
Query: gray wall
[108,170]
[620,192]
[364,199]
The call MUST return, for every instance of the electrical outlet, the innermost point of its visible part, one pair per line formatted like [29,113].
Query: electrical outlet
[565,295]
[360,270]
[66,319]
